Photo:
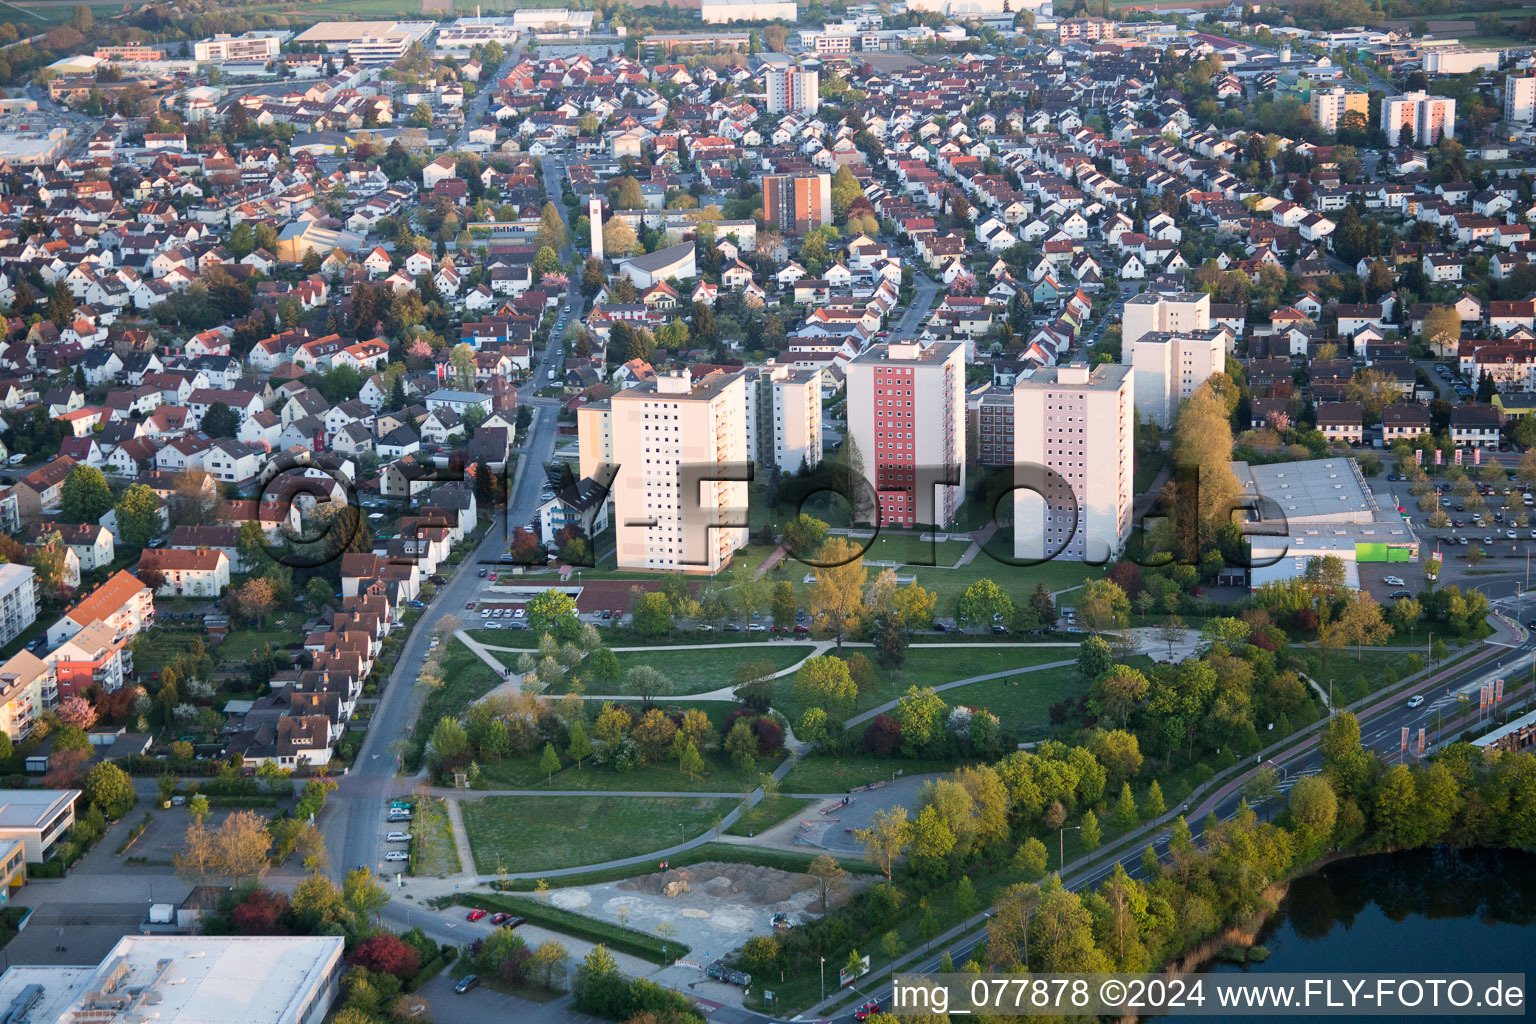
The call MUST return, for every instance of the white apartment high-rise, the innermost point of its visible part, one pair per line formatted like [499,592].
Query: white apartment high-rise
[906,413]
[1081,425]
[1178,313]
[1416,118]
[660,435]
[1520,99]
[783,418]
[595,217]
[1169,367]
[793,90]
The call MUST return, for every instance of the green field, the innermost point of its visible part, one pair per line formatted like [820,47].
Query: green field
[432,850]
[929,667]
[1022,703]
[768,813]
[911,550]
[696,671]
[820,773]
[535,834]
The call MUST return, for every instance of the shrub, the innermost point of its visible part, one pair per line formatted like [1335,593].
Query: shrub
[387,954]
[883,737]
[770,737]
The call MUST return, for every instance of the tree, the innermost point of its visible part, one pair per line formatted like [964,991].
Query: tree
[619,239]
[578,747]
[551,227]
[240,847]
[1441,328]
[220,421]
[255,599]
[1203,445]
[654,733]
[691,762]
[1126,814]
[317,903]
[741,745]
[85,496]
[1032,858]
[837,599]
[804,535]
[387,954]
[1091,835]
[109,788]
[825,682]
[1313,804]
[1094,660]
[652,615]
[138,516]
[932,839]
[982,604]
[552,610]
[645,682]
[77,711]
[828,880]
[921,714]
[888,836]
[1154,807]
[363,893]
[549,762]
[1361,624]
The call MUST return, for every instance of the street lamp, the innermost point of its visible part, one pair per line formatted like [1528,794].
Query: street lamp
[1061,843]
[823,979]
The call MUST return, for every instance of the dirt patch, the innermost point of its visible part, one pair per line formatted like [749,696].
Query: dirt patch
[747,882]
[720,906]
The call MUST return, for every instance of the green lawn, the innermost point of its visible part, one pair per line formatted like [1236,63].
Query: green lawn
[821,773]
[910,550]
[929,667]
[696,671]
[1022,703]
[533,834]
[432,850]
[768,813]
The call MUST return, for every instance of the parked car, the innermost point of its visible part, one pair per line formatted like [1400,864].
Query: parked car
[398,837]
[500,917]
[466,983]
[1394,581]
[475,915]
[397,855]
[481,574]
[1401,593]
[469,606]
[514,922]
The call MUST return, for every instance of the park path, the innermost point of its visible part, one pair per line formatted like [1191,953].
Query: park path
[460,833]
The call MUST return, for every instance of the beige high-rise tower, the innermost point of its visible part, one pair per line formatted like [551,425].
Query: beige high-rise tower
[595,215]
[669,437]
[1080,425]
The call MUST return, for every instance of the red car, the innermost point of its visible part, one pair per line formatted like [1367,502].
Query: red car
[476,914]
[802,630]
[500,918]
[469,606]
[492,577]
[864,1012]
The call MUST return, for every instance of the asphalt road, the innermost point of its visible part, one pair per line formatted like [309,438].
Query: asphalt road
[353,822]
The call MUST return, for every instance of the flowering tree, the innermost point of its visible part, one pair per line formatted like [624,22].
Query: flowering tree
[77,711]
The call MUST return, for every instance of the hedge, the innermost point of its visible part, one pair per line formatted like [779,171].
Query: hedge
[613,936]
[242,801]
[726,853]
